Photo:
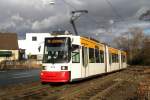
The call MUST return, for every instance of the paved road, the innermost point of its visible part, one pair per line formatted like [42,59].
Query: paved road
[18,76]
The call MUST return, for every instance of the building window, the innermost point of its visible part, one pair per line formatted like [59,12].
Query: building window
[34,38]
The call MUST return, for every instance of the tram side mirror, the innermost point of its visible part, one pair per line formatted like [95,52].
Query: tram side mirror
[75,47]
[39,48]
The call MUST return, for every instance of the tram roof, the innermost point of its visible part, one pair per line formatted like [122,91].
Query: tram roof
[68,34]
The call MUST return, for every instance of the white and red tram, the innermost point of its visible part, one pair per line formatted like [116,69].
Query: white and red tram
[69,58]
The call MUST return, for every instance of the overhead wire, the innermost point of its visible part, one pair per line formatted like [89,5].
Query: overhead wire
[95,21]
[114,10]
[67,3]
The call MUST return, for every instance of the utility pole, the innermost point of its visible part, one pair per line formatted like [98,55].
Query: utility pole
[75,15]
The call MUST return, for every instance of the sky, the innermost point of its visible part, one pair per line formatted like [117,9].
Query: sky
[147,31]
[105,18]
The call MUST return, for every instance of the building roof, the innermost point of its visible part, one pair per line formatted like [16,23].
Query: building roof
[8,41]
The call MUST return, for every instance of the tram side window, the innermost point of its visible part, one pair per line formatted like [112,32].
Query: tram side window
[75,54]
[101,56]
[110,58]
[97,57]
[123,58]
[91,55]
[115,58]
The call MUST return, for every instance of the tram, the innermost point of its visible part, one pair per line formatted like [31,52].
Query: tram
[69,58]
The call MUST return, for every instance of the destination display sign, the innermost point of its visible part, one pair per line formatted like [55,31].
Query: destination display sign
[55,41]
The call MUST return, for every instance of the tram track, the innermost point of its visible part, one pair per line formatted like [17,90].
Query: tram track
[101,89]
[36,90]
[92,89]
[20,92]
[39,92]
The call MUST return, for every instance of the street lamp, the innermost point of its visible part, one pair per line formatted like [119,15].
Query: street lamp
[47,2]
[75,14]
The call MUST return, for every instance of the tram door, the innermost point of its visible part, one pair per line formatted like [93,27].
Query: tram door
[85,62]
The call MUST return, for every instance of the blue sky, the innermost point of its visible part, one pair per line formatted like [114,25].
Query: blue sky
[147,31]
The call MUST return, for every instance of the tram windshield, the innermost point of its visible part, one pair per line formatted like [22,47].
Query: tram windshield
[57,50]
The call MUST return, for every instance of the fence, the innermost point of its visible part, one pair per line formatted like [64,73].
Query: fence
[16,64]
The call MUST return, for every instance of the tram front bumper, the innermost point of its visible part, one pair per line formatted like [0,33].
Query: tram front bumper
[61,76]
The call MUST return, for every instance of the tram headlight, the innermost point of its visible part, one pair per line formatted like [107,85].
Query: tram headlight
[42,74]
[64,67]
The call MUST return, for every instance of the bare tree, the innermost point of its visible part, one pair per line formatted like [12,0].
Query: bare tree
[145,53]
[122,41]
[135,44]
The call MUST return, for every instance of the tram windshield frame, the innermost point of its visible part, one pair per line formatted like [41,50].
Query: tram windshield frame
[57,50]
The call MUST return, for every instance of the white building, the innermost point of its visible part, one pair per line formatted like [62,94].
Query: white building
[32,44]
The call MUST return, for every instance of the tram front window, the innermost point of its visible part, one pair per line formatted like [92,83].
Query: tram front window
[57,50]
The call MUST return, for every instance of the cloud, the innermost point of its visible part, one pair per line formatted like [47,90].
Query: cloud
[15,23]
[26,3]
[16,17]
[77,2]
[23,16]
[7,25]
[49,22]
